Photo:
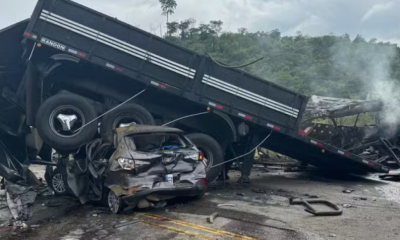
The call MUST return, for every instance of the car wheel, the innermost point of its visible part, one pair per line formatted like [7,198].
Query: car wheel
[213,154]
[125,115]
[115,203]
[60,119]
[58,183]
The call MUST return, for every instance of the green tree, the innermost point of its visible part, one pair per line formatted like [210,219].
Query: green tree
[168,7]
[329,65]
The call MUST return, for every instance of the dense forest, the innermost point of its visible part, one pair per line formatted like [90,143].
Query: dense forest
[337,66]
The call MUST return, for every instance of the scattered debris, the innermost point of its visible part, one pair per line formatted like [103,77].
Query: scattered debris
[213,216]
[126,223]
[332,235]
[307,203]
[227,205]
[348,206]
[94,215]
[360,198]
[259,190]
[240,194]
[348,191]
[3,200]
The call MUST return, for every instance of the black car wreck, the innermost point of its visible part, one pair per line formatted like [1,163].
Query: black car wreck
[143,167]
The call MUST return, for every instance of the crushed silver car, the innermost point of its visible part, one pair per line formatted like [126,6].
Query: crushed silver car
[143,167]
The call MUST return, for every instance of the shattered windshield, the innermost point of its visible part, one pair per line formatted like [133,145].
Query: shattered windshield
[158,141]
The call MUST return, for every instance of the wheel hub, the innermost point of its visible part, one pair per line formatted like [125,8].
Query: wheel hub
[67,121]
[125,121]
[58,183]
[122,125]
[113,202]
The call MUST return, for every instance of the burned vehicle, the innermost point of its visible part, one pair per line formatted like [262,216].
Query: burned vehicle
[143,167]
[357,126]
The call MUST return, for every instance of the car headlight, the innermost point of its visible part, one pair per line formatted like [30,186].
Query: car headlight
[127,164]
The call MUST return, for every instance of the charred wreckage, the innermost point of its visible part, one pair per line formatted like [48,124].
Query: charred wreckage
[377,140]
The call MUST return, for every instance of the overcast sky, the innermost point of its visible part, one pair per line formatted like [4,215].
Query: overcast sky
[370,18]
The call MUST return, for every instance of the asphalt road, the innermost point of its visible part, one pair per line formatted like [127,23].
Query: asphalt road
[260,210]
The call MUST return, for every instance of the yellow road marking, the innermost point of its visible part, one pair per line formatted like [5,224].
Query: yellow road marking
[199,227]
[177,230]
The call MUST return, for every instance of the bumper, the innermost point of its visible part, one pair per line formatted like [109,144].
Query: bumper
[197,189]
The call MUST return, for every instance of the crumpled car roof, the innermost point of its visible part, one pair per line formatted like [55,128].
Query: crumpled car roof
[140,129]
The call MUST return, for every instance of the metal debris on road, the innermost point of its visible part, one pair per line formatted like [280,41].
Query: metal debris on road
[213,216]
[240,194]
[348,191]
[347,205]
[126,223]
[360,198]
[226,205]
[307,203]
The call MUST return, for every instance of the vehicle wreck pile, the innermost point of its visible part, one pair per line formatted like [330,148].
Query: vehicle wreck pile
[19,187]
[376,141]
[142,167]
[92,93]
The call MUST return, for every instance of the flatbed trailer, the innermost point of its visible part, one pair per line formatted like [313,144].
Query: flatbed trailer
[179,81]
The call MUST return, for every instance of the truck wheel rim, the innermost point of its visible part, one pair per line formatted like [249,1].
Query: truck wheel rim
[208,157]
[73,126]
[124,121]
[113,202]
[58,183]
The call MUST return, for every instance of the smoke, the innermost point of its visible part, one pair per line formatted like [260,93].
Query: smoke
[372,63]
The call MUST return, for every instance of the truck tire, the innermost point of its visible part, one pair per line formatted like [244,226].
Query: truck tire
[212,152]
[60,118]
[126,114]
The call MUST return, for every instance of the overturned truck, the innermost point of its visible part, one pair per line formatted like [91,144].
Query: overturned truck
[69,75]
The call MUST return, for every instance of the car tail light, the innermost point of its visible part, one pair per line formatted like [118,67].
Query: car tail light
[201,156]
[204,181]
